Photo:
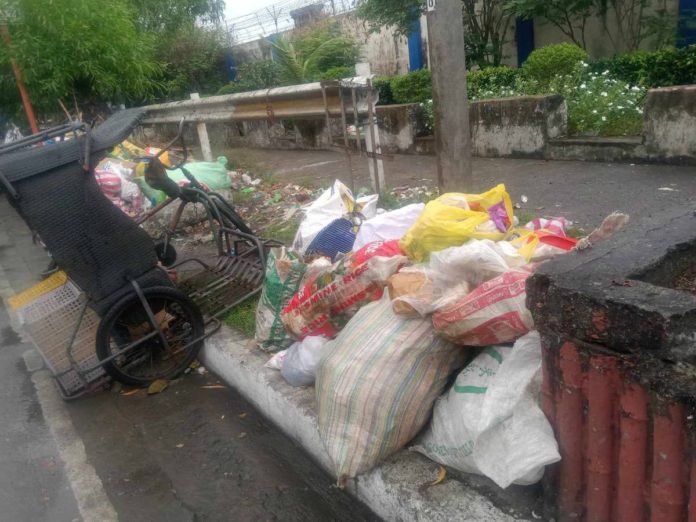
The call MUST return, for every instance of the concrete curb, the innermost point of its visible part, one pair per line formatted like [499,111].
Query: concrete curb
[395,491]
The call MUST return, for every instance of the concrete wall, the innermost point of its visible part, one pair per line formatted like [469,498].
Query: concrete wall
[669,124]
[519,127]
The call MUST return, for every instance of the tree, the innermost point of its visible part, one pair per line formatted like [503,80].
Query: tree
[569,16]
[168,16]
[487,23]
[194,60]
[88,48]
[313,51]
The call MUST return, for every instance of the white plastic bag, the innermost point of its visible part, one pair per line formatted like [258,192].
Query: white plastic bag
[276,362]
[453,272]
[331,204]
[490,422]
[389,225]
[301,359]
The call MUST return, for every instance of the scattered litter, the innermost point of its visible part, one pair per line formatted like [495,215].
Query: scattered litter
[242,435]
[130,392]
[668,189]
[300,363]
[276,361]
[524,198]
[201,370]
[242,415]
[157,386]
[610,225]
[213,387]
[180,445]
[442,473]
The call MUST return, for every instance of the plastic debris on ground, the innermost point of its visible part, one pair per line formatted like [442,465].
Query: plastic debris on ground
[301,360]
[490,422]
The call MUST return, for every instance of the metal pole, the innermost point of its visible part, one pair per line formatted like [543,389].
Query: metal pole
[28,109]
[356,120]
[206,151]
[326,114]
[345,140]
[450,103]
[372,148]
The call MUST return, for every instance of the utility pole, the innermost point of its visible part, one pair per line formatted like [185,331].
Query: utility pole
[450,101]
[28,109]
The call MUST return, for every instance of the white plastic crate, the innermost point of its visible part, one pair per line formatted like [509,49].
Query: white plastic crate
[50,320]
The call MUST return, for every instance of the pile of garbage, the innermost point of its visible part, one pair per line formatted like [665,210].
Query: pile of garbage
[379,310]
[121,177]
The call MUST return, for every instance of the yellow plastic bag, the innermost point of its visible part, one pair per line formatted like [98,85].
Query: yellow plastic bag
[454,218]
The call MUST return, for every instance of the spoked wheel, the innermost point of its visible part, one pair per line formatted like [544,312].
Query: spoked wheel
[159,355]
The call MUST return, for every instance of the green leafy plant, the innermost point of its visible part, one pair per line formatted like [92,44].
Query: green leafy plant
[251,76]
[337,73]
[662,68]
[599,104]
[490,79]
[88,48]
[414,87]
[313,51]
[543,64]
[569,16]
[383,86]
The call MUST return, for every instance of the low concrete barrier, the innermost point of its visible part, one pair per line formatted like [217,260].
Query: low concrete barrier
[669,124]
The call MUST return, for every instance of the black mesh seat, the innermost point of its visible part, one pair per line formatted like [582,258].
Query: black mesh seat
[98,246]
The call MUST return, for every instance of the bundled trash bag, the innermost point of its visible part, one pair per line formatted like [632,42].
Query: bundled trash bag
[495,312]
[212,174]
[389,225]
[332,204]
[376,386]
[490,422]
[451,274]
[453,218]
[328,300]
[299,365]
[284,273]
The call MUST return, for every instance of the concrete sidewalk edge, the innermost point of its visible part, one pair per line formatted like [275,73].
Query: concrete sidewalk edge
[395,491]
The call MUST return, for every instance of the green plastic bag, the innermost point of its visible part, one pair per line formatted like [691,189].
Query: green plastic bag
[212,174]
[284,272]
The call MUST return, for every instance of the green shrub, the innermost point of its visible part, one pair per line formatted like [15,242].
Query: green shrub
[337,73]
[261,74]
[599,104]
[414,87]
[491,79]
[661,68]
[547,62]
[383,86]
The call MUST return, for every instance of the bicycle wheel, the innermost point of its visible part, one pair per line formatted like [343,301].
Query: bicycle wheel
[127,322]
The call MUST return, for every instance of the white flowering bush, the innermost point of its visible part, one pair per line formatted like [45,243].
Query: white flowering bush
[598,104]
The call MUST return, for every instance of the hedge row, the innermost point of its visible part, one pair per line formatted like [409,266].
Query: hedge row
[662,68]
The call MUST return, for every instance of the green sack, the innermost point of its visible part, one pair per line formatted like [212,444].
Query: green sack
[284,272]
[212,174]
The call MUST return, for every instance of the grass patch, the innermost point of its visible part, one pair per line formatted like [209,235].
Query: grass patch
[243,317]
[576,232]
[284,232]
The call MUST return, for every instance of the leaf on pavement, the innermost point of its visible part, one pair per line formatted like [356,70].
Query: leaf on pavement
[440,476]
[157,386]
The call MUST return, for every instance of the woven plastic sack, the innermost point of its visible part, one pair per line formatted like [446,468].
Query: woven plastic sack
[453,218]
[494,313]
[284,273]
[490,422]
[376,386]
[326,311]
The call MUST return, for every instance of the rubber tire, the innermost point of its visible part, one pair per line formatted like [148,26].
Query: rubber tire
[107,323]
[166,256]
